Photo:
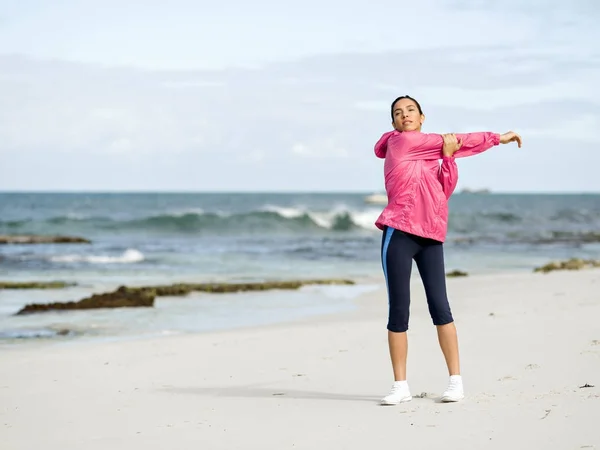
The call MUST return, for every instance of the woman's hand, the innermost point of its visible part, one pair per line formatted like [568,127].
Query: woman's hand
[451,144]
[511,136]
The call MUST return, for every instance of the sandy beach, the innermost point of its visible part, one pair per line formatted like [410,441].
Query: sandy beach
[529,343]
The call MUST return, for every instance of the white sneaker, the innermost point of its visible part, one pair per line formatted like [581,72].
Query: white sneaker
[455,391]
[400,393]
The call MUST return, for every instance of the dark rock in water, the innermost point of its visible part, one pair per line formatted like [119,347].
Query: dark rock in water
[221,288]
[121,298]
[144,296]
[570,237]
[570,264]
[34,285]
[457,273]
[41,239]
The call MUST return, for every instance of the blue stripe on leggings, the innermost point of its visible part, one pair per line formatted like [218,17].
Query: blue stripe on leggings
[388,237]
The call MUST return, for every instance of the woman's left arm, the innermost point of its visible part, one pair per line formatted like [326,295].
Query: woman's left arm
[448,176]
[448,173]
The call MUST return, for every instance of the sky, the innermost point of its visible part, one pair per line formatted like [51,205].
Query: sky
[263,96]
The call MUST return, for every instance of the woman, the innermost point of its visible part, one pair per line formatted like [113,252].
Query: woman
[414,225]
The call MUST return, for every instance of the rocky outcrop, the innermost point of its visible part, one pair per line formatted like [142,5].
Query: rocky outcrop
[41,239]
[570,264]
[144,296]
[222,288]
[456,274]
[121,298]
[34,285]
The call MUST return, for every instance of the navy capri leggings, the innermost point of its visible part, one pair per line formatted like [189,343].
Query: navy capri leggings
[398,249]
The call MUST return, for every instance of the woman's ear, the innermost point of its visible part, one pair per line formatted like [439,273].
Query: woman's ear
[422,118]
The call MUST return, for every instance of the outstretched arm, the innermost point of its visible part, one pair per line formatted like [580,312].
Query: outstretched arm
[448,174]
[427,146]
[475,143]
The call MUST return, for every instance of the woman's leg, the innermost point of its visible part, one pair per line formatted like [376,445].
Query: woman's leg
[398,345]
[430,262]
[397,254]
[448,339]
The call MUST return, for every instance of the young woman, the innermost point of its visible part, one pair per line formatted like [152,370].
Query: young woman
[414,225]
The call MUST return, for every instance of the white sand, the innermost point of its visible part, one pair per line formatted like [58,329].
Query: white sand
[316,384]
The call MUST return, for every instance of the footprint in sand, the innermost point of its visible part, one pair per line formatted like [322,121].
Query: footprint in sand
[532,366]
[593,343]
[424,395]
[484,397]
[507,378]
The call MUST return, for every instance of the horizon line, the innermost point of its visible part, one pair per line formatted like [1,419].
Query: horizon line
[472,191]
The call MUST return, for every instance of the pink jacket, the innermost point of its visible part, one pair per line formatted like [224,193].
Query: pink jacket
[418,188]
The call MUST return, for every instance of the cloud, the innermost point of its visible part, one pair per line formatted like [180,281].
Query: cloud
[323,149]
[182,35]
[570,89]
[582,128]
[308,123]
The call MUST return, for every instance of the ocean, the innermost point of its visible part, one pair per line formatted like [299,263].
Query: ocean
[157,238]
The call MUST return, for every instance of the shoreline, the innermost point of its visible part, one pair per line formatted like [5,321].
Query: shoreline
[287,306]
[311,382]
[361,304]
[59,334]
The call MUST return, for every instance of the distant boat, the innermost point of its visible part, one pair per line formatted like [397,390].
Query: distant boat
[475,191]
[377,199]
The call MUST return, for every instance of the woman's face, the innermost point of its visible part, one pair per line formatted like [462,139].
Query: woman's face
[407,116]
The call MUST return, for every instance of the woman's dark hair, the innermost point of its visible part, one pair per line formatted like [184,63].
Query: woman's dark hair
[408,97]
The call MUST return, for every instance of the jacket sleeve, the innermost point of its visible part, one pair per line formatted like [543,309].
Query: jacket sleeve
[448,176]
[428,146]
[475,143]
